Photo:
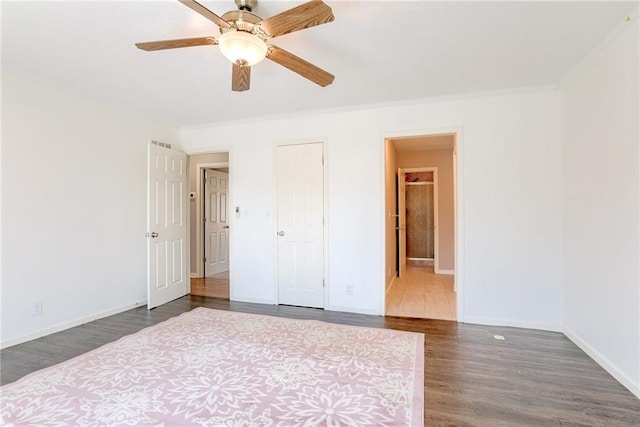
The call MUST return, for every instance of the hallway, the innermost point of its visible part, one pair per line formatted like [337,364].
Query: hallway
[421,293]
[216,286]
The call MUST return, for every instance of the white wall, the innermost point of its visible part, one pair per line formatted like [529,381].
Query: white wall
[511,161]
[74,206]
[600,107]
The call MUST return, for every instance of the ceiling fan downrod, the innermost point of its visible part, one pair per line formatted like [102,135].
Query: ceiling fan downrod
[246,5]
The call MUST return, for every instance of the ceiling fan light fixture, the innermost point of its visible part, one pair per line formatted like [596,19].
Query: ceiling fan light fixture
[241,47]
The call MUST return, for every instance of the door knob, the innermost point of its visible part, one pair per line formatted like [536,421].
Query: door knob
[280,233]
[226,226]
[154,234]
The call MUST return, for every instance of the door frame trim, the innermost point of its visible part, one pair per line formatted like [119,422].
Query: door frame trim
[458,208]
[436,224]
[325,213]
[200,167]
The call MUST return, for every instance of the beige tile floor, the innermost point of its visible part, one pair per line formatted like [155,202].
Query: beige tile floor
[422,293]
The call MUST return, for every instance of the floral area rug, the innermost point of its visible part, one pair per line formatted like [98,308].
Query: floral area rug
[217,368]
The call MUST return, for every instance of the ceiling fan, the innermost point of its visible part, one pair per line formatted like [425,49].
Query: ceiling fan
[243,37]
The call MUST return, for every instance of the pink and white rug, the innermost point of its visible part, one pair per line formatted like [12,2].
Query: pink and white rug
[217,368]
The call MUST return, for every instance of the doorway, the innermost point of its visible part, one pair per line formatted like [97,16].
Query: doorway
[421,226]
[210,231]
[417,202]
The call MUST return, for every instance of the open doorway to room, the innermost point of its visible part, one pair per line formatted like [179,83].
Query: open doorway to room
[210,228]
[420,226]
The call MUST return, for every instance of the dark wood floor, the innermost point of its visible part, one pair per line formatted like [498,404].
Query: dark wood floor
[532,378]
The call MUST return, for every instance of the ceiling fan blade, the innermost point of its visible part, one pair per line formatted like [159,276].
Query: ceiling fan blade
[241,77]
[172,44]
[304,16]
[194,5]
[300,66]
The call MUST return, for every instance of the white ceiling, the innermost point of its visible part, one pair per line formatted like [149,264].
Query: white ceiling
[379,52]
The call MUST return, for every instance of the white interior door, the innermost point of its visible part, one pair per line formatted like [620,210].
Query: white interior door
[216,222]
[402,223]
[300,211]
[166,226]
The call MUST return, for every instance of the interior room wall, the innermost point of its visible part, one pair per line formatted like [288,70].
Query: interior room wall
[601,257]
[391,189]
[74,207]
[443,160]
[193,211]
[512,212]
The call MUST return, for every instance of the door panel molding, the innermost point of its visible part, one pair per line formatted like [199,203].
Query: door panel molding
[167,225]
[318,256]
[199,208]
[216,228]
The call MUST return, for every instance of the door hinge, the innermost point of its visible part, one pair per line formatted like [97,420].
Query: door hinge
[204,259]
[204,219]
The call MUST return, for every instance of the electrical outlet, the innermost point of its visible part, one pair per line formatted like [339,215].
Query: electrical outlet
[36,308]
[349,289]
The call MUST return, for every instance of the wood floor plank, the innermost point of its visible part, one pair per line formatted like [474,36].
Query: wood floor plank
[216,286]
[532,378]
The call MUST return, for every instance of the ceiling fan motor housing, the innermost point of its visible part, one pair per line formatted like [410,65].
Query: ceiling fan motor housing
[240,20]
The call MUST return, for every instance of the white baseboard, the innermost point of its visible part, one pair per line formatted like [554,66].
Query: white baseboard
[328,308]
[252,300]
[194,275]
[604,362]
[354,310]
[512,323]
[441,271]
[70,324]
